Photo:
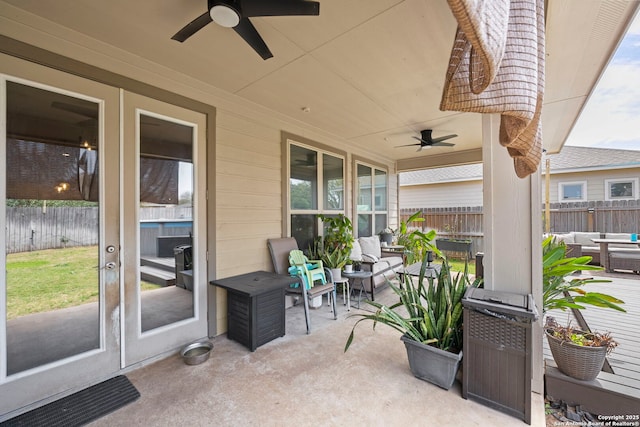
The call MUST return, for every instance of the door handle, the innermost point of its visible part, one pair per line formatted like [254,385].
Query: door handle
[110,265]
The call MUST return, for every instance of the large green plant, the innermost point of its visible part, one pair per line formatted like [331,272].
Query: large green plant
[338,240]
[428,313]
[415,242]
[559,292]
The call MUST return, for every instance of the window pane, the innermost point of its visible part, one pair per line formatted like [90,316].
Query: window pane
[333,180]
[304,228]
[166,218]
[303,183]
[364,225]
[572,192]
[364,189]
[381,222]
[621,189]
[381,190]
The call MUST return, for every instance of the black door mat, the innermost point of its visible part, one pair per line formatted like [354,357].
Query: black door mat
[82,407]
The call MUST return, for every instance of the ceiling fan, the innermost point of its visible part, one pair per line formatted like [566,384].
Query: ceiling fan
[426,141]
[236,13]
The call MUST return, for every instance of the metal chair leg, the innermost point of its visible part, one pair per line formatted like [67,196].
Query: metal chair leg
[307,318]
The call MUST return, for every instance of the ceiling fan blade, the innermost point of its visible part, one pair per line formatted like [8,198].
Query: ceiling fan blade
[279,8]
[249,33]
[193,27]
[443,144]
[444,138]
[408,145]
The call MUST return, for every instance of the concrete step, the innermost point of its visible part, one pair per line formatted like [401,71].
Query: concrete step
[158,276]
[161,263]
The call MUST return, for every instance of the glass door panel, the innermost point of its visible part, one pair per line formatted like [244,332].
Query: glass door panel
[52,214]
[59,276]
[166,221]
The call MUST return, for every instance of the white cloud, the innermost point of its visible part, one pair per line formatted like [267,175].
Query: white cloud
[611,117]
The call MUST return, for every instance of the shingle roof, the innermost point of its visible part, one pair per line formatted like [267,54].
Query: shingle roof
[570,158]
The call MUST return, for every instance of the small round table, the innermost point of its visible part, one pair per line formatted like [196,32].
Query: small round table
[358,275]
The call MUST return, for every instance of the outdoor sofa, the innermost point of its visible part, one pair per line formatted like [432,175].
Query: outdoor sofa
[621,257]
[383,265]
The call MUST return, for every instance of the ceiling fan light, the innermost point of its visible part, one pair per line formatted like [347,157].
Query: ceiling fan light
[224,16]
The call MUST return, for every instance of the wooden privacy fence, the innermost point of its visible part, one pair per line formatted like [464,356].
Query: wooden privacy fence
[620,216]
[37,228]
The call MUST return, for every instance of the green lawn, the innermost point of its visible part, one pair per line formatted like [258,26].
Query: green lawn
[458,265]
[52,279]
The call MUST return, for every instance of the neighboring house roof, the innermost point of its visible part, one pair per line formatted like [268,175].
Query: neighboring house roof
[570,159]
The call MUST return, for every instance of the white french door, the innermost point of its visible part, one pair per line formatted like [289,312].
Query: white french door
[60,239]
[103,248]
[163,223]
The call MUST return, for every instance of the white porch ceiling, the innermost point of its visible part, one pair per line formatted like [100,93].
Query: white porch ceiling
[371,72]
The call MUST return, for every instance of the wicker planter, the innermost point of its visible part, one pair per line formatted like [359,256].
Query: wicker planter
[576,361]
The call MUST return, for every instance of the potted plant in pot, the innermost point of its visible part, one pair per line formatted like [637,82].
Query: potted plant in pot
[579,354]
[429,318]
[348,267]
[337,242]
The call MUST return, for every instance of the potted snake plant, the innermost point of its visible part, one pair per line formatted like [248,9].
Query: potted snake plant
[429,319]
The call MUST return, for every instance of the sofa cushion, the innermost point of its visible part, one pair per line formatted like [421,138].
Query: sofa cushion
[356,251]
[585,238]
[385,269]
[566,238]
[370,246]
[628,254]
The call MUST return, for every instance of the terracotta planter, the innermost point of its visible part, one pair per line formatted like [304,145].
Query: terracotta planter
[577,361]
[431,364]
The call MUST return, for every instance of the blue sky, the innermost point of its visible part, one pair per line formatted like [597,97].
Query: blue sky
[611,118]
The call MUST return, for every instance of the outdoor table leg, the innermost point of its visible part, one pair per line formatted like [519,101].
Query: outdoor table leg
[604,256]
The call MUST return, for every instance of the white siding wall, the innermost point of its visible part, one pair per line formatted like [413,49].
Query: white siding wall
[452,194]
[595,182]
[469,193]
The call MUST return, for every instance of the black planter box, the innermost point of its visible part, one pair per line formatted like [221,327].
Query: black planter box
[455,245]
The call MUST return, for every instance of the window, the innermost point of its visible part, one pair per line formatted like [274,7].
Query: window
[316,186]
[621,189]
[572,191]
[371,203]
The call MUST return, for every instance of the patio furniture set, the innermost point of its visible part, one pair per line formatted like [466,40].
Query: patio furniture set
[613,251]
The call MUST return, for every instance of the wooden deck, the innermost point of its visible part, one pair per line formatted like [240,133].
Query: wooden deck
[625,328]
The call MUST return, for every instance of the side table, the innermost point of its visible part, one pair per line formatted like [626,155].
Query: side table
[346,291]
[255,306]
[358,275]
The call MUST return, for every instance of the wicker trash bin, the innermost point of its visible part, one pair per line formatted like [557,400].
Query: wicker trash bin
[497,345]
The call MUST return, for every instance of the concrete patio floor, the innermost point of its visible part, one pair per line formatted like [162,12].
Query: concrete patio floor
[304,380]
